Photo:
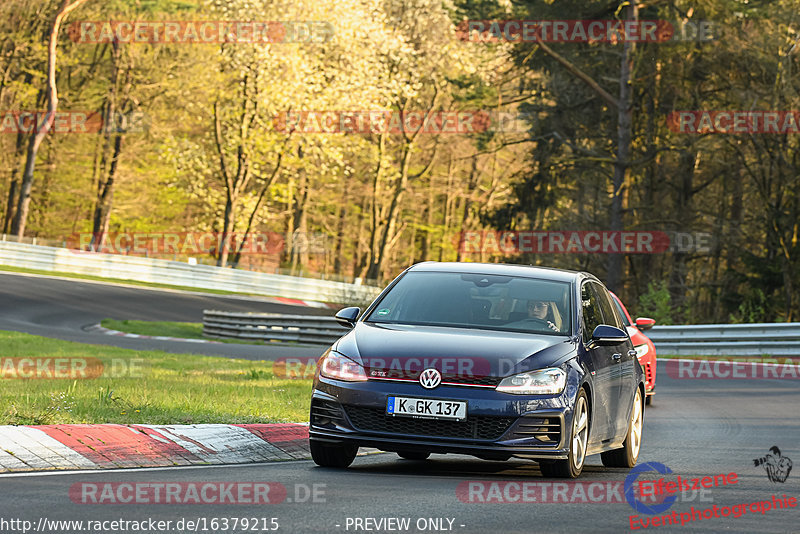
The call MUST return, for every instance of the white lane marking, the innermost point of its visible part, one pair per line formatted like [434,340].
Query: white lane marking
[732,360]
[168,468]
[140,469]
[109,332]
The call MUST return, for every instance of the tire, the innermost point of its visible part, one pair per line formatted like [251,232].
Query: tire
[414,455]
[325,455]
[629,453]
[648,400]
[579,437]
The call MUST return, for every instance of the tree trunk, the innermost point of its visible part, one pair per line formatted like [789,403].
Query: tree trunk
[102,211]
[23,205]
[388,235]
[264,188]
[624,134]
[732,240]
[106,180]
[12,192]
[471,185]
[377,212]
[299,224]
[376,268]
[685,214]
[228,225]
[236,183]
[361,255]
[651,177]
[427,238]
[19,150]
[338,254]
[448,209]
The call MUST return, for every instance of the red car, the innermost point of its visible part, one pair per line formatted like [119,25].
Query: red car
[645,350]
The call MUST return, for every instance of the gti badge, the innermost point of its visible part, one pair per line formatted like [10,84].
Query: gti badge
[430,378]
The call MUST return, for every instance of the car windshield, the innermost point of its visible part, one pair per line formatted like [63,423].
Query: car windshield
[493,302]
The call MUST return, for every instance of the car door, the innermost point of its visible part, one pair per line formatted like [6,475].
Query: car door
[622,369]
[599,364]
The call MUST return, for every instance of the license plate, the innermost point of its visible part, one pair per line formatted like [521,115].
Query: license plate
[427,408]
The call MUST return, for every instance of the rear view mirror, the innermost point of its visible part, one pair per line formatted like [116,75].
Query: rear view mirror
[607,335]
[347,316]
[645,323]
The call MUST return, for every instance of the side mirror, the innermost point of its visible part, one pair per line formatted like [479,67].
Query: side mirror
[347,316]
[607,335]
[645,323]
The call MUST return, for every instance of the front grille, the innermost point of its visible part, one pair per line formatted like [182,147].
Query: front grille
[476,427]
[544,429]
[326,413]
[472,380]
[465,380]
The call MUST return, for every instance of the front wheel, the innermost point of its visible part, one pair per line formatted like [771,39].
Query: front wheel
[573,465]
[629,453]
[332,455]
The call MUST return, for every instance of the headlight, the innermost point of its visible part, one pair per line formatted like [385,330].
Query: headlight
[340,367]
[541,382]
[641,350]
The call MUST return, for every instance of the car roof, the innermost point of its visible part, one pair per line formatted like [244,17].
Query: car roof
[548,273]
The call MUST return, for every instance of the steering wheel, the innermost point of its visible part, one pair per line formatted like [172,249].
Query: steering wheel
[542,322]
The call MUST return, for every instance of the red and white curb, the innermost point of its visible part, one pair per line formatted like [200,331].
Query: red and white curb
[109,332]
[112,446]
[308,303]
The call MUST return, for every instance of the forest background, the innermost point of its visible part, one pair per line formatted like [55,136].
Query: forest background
[194,140]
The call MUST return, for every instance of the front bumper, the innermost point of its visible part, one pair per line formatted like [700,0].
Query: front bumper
[498,425]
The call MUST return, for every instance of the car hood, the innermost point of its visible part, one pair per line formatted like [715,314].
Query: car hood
[403,351]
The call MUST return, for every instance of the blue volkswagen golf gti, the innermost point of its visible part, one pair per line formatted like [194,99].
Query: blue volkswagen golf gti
[494,361]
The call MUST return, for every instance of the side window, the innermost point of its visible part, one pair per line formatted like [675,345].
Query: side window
[610,316]
[592,314]
[618,307]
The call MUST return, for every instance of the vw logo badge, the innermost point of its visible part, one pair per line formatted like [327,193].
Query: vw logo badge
[430,378]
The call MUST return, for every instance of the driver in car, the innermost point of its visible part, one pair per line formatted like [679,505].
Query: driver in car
[539,309]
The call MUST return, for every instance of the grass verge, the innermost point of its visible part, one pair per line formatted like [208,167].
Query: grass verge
[169,329]
[156,328]
[145,387]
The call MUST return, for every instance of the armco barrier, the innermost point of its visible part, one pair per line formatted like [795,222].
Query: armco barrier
[181,274]
[272,327]
[774,339]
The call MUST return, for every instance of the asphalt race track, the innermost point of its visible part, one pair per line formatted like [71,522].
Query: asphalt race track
[696,427]
[62,309]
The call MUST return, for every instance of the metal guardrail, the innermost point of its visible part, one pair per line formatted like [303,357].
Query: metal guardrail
[773,339]
[182,274]
[310,329]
